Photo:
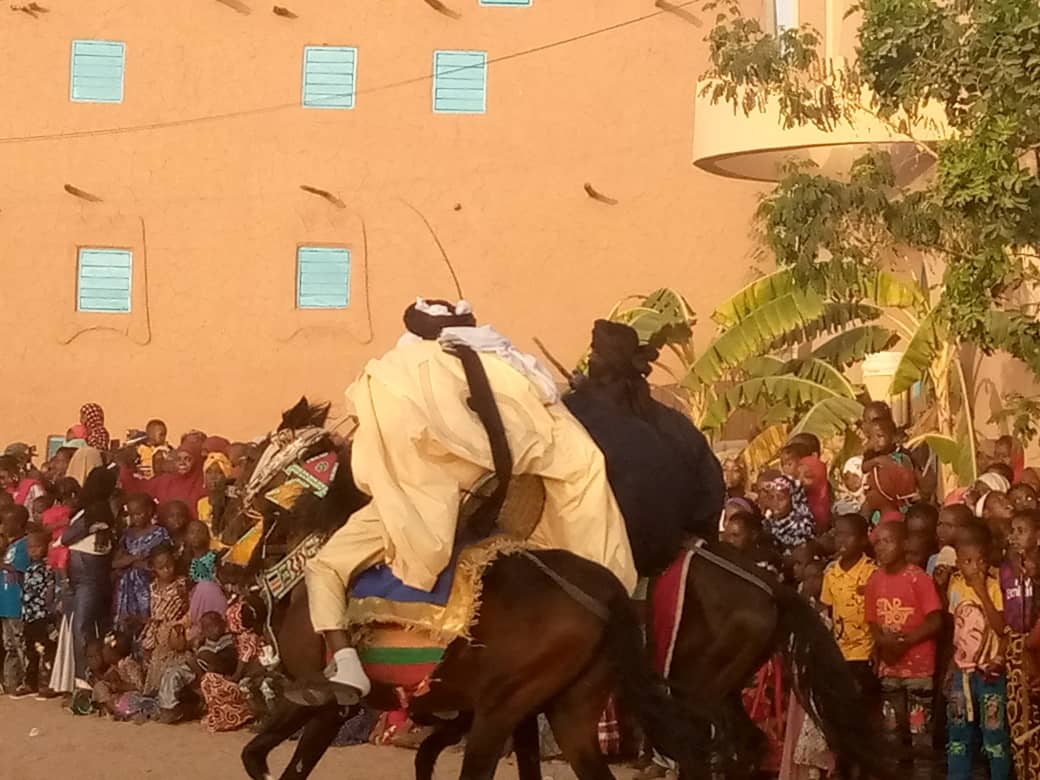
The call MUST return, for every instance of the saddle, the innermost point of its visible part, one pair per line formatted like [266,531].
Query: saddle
[401,633]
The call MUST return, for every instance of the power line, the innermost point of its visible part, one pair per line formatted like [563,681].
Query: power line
[173,123]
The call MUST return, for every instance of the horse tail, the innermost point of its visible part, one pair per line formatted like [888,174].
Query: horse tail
[825,686]
[671,726]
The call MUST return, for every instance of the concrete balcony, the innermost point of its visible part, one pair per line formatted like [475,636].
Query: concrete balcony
[755,146]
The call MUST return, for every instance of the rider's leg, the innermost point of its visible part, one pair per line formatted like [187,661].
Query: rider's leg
[356,546]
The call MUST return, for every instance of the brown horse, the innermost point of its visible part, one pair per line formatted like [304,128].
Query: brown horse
[555,634]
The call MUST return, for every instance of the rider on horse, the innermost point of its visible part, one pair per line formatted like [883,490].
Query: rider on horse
[418,448]
[664,474]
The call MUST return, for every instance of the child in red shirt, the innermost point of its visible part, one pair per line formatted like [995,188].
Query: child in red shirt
[904,614]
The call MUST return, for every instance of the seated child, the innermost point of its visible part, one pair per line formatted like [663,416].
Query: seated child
[122,676]
[227,705]
[169,606]
[216,654]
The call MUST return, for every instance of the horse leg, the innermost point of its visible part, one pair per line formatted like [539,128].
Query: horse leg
[314,741]
[286,721]
[445,734]
[485,744]
[528,749]
[574,716]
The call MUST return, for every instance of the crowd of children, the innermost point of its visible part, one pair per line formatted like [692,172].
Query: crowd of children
[121,610]
[118,609]
[931,602]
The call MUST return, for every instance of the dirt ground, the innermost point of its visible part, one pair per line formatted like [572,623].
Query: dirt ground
[40,741]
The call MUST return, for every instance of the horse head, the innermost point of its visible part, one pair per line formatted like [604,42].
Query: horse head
[295,482]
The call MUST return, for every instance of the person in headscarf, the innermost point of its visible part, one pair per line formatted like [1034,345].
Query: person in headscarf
[217,471]
[890,486]
[84,460]
[186,483]
[788,517]
[849,500]
[417,448]
[92,417]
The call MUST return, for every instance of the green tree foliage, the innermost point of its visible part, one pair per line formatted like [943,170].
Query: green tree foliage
[977,209]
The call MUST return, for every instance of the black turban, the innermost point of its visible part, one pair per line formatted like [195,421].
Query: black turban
[429,326]
[616,348]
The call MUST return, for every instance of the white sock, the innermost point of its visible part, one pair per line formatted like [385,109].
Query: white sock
[349,671]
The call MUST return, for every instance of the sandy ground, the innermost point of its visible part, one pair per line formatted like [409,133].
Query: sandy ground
[40,741]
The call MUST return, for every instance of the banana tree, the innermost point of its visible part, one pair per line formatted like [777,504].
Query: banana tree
[743,367]
[853,312]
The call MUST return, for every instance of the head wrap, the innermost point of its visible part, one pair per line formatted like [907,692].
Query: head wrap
[799,525]
[427,318]
[854,466]
[93,417]
[893,480]
[84,461]
[221,461]
[616,348]
[995,482]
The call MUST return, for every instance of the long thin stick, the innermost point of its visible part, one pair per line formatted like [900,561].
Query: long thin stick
[555,363]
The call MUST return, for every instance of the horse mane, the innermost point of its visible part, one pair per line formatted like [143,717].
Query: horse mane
[305,415]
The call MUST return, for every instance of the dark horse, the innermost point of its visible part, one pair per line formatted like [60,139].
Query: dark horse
[555,633]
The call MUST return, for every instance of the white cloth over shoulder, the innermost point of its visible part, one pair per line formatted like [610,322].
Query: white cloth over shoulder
[487,339]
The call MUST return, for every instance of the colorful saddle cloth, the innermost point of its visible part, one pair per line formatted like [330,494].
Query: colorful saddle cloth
[401,633]
[442,615]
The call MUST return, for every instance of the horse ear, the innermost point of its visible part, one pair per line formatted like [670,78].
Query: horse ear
[320,414]
[298,416]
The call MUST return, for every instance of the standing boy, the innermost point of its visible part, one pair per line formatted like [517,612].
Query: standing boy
[844,587]
[905,614]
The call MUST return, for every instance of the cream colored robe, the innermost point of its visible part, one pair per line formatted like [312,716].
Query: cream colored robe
[418,446]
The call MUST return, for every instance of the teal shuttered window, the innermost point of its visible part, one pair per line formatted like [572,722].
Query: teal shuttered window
[322,277]
[329,76]
[104,280]
[459,82]
[97,71]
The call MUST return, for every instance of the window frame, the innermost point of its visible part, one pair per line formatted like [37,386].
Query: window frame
[79,279]
[72,72]
[299,276]
[484,90]
[354,76]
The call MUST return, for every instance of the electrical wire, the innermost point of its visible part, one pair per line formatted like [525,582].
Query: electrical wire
[174,123]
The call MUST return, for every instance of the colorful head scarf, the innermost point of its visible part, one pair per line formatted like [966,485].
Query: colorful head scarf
[221,461]
[93,417]
[798,526]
